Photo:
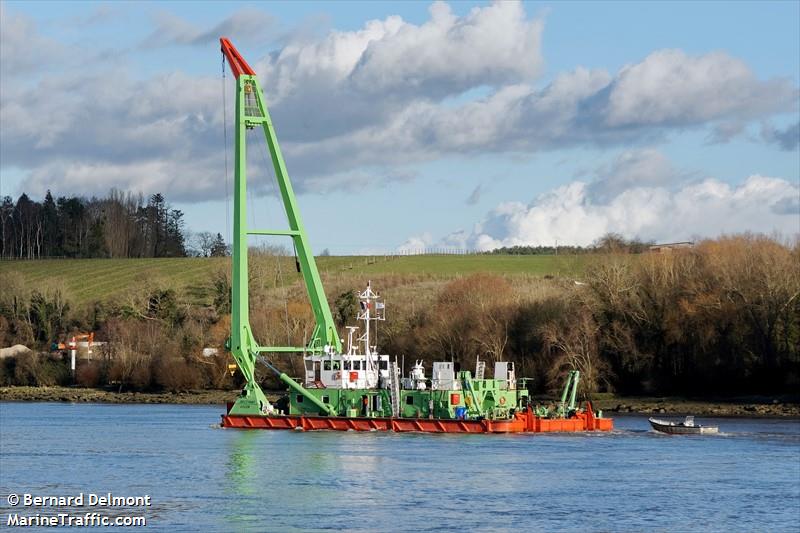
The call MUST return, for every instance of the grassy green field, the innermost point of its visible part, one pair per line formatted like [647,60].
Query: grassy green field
[87,280]
[456,265]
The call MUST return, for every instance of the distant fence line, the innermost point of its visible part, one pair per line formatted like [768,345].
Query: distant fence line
[437,251]
[387,254]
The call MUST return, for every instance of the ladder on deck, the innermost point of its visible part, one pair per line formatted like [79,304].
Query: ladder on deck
[394,388]
[480,369]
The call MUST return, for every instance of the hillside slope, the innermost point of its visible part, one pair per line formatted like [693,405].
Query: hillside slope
[87,280]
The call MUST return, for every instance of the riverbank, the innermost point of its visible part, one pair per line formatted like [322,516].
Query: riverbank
[83,395]
[779,407]
[745,407]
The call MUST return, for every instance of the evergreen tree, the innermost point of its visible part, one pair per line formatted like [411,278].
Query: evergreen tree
[157,224]
[115,226]
[175,245]
[73,222]
[52,227]
[6,229]
[219,248]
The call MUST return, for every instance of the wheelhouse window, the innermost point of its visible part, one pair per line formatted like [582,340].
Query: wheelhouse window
[326,365]
[345,365]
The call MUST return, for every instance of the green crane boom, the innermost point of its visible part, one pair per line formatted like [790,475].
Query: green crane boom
[251,111]
[571,392]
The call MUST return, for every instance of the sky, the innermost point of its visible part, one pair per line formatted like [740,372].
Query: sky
[411,125]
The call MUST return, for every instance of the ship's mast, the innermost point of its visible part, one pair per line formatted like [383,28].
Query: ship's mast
[371,309]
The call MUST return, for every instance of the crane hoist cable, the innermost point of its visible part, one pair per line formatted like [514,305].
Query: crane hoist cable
[285,296]
[273,193]
[250,133]
[269,173]
[225,142]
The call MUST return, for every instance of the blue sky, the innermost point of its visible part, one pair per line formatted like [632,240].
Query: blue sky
[466,124]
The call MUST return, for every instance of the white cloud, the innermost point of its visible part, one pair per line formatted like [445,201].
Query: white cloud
[247,24]
[787,139]
[322,90]
[363,106]
[448,54]
[650,209]
[22,48]
[582,107]
[672,87]
[160,134]
[633,168]
[708,208]
[416,243]
[201,180]
[353,82]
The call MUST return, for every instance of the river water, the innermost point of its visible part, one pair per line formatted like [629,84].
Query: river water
[201,477]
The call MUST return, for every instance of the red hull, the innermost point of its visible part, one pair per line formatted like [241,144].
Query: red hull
[525,422]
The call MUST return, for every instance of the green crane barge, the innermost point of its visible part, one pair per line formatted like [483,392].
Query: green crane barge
[354,387]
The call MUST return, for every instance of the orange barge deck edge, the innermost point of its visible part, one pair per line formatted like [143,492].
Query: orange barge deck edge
[524,422]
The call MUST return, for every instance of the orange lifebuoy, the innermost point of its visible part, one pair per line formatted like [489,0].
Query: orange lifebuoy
[502,400]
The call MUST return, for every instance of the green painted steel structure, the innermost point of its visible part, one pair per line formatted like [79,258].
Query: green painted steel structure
[571,392]
[252,112]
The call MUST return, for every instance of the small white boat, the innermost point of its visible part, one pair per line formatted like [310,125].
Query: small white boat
[687,427]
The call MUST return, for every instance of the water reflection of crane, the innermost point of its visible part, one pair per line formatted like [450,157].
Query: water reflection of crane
[311,472]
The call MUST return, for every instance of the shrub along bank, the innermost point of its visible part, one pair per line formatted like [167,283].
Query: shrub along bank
[722,318]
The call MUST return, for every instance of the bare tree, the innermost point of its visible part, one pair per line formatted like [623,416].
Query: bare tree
[576,346]
[204,242]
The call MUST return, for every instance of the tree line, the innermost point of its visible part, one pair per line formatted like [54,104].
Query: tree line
[608,243]
[721,318]
[118,226]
